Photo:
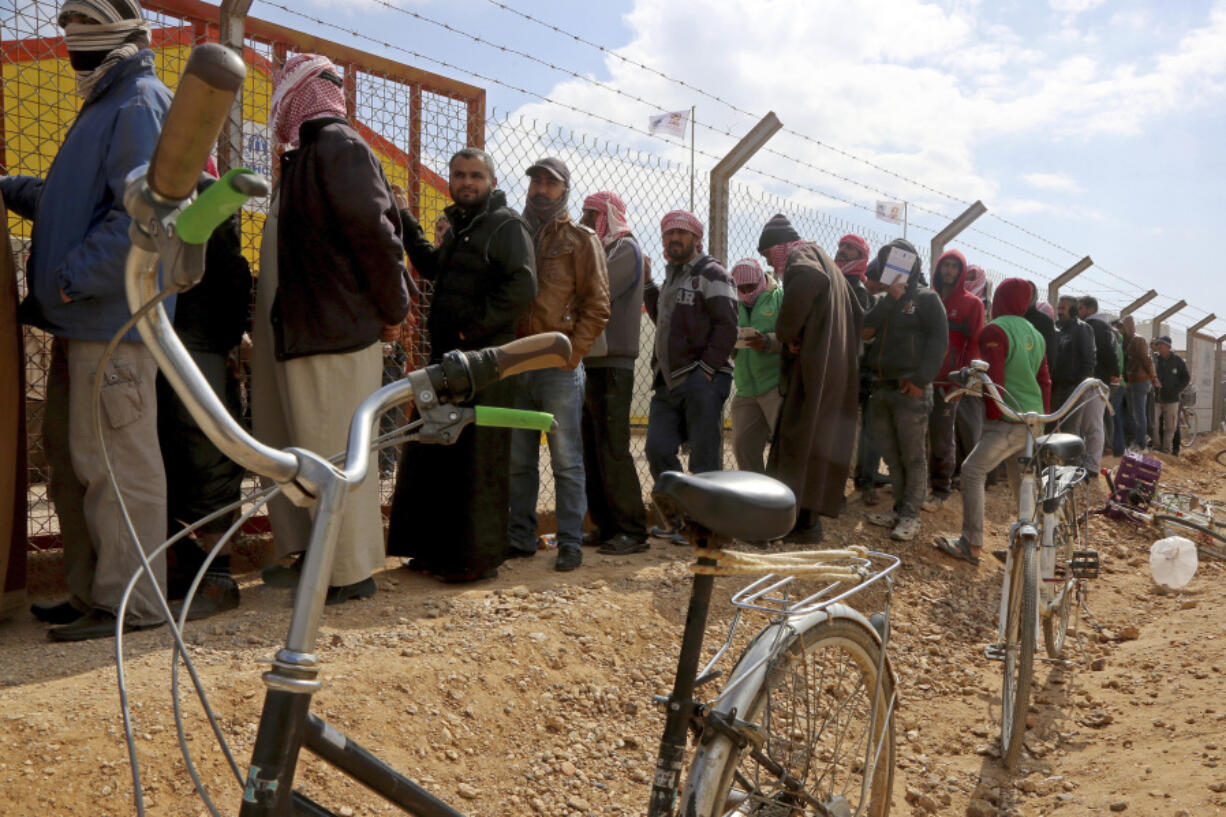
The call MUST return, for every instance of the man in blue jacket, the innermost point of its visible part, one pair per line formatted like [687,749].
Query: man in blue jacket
[76,293]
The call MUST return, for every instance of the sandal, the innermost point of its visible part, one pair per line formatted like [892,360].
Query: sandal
[958,548]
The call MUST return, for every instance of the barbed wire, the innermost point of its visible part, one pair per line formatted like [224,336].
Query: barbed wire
[704,153]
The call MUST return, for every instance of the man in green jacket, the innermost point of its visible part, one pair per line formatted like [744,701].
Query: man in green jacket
[755,408]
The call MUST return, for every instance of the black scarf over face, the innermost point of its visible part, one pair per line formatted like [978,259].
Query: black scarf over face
[539,211]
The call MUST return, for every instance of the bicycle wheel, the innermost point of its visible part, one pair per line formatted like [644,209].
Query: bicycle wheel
[819,729]
[1187,428]
[1019,655]
[1067,538]
[1209,542]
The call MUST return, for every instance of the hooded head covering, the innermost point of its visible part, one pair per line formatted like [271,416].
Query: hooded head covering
[681,220]
[1013,297]
[1046,309]
[857,267]
[976,281]
[959,282]
[747,271]
[118,31]
[540,211]
[610,213]
[307,87]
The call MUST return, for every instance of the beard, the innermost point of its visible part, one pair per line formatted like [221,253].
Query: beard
[678,252]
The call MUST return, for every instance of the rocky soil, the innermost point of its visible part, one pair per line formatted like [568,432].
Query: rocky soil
[531,693]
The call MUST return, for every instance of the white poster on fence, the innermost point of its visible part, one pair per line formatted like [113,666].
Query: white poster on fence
[1200,365]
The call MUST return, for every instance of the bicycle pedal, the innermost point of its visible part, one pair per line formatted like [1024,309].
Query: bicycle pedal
[994,652]
[1084,564]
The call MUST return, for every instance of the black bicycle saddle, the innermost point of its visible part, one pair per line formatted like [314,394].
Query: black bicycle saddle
[1065,449]
[736,504]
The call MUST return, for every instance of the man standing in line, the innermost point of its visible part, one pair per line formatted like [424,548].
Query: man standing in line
[572,297]
[1106,368]
[75,279]
[1013,350]
[332,281]
[819,325]
[1173,378]
[964,313]
[851,258]
[694,311]
[1073,362]
[755,408]
[1139,375]
[450,509]
[614,495]
[909,323]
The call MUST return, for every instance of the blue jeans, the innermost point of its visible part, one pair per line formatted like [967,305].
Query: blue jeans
[1135,404]
[560,393]
[692,411]
[1117,420]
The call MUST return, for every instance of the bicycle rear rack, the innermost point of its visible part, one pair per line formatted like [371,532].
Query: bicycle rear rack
[770,594]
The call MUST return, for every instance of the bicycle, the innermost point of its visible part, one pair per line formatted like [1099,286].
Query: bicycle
[1187,419]
[1174,514]
[1048,556]
[805,722]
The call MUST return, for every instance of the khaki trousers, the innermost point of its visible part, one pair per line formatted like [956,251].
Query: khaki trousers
[128,409]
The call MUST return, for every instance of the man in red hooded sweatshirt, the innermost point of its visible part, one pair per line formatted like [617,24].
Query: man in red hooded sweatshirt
[964,312]
[1015,354]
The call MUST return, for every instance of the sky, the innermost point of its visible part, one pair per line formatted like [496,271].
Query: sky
[1087,127]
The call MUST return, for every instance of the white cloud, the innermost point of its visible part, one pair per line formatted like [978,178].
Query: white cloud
[1053,181]
[1073,6]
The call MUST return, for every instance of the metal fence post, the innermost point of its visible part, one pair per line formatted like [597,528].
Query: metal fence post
[1138,303]
[952,229]
[1156,330]
[717,228]
[1218,396]
[1053,289]
[231,24]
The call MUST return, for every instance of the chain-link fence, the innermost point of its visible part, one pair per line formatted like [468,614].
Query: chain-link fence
[413,121]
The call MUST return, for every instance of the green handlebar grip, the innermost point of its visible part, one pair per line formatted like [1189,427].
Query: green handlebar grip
[514,418]
[212,207]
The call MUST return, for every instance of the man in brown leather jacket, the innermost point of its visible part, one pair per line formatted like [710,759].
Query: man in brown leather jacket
[572,297]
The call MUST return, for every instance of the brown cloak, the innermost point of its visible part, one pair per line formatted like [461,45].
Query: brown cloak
[815,436]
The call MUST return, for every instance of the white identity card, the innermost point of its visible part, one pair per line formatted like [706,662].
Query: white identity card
[898,266]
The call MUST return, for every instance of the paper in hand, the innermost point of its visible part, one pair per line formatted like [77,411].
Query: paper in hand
[898,265]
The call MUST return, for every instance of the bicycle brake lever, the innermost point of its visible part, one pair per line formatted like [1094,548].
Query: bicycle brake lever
[441,422]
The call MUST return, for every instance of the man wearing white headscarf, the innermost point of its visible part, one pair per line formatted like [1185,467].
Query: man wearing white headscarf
[76,293]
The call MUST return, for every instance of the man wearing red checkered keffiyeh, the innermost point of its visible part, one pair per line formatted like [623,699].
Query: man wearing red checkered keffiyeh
[307,87]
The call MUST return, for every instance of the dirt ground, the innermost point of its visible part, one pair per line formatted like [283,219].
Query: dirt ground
[531,693]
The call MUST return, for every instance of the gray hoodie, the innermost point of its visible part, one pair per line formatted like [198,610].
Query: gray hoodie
[618,345]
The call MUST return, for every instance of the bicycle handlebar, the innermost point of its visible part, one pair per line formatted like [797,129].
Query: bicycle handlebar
[976,375]
[221,200]
[202,102]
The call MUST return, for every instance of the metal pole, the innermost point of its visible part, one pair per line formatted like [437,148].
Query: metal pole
[1199,325]
[1217,383]
[904,220]
[693,108]
[741,153]
[952,229]
[1156,329]
[1053,289]
[1138,303]
[231,23]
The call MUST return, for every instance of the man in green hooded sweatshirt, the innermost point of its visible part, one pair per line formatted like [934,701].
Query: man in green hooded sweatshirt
[1015,354]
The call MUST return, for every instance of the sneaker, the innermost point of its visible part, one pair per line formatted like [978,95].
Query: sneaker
[906,529]
[623,544]
[886,519]
[671,534]
[217,593]
[569,558]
